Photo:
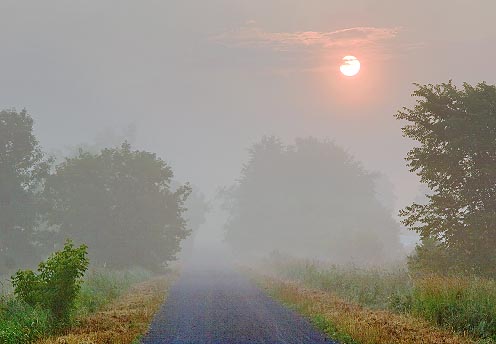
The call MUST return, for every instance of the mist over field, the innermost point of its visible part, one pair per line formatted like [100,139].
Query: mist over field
[345,147]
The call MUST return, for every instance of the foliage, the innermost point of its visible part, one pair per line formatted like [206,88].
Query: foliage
[22,168]
[22,323]
[120,203]
[431,257]
[195,215]
[311,198]
[123,320]
[101,286]
[456,158]
[348,322]
[460,304]
[366,286]
[331,330]
[465,305]
[57,284]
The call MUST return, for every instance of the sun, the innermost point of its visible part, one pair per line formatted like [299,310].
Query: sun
[350,66]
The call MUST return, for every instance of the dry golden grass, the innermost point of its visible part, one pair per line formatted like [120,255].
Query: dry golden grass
[120,322]
[364,325]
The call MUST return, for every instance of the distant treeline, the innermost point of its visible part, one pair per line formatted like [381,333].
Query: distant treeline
[312,198]
[118,201]
[309,199]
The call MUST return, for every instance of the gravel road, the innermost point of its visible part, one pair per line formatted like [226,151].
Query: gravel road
[214,305]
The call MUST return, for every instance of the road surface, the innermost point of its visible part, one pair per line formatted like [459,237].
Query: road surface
[218,305]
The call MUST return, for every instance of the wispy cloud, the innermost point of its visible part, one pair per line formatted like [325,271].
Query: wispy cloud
[252,36]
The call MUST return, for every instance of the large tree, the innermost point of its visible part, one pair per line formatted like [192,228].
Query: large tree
[456,158]
[120,203]
[22,169]
[310,199]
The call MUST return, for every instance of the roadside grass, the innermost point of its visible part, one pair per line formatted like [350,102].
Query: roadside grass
[350,323]
[465,305]
[102,286]
[369,287]
[122,321]
[21,323]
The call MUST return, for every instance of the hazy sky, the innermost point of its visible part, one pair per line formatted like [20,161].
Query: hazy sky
[202,80]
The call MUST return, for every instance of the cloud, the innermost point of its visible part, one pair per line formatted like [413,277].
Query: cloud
[252,36]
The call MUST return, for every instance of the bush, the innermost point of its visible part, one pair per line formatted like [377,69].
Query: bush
[57,283]
[430,257]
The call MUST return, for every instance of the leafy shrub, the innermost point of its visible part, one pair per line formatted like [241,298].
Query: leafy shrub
[57,283]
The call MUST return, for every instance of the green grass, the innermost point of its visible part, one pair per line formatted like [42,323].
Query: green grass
[460,304]
[373,288]
[331,330]
[103,285]
[20,323]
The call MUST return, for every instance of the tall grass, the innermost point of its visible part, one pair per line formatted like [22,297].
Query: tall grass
[366,286]
[460,304]
[103,285]
[20,323]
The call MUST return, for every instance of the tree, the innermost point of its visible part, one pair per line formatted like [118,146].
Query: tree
[456,158]
[197,208]
[309,199]
[23,166]
[119,202]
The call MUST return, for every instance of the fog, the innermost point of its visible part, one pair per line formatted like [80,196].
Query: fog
[199,83]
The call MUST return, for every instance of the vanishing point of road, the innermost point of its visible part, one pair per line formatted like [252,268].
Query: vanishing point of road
[219,305]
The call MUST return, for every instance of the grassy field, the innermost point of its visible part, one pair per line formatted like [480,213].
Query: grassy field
[462,305]
[20,323]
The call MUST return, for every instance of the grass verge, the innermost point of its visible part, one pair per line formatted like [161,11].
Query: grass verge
[466,305]
[351,323]
[121,321]
[21,323]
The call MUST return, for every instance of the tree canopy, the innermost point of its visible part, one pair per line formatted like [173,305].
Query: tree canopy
[456,158]
[120,203]
[310,198]
[22,169]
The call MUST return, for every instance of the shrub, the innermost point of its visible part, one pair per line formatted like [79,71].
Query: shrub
[57,283]
[430,257]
